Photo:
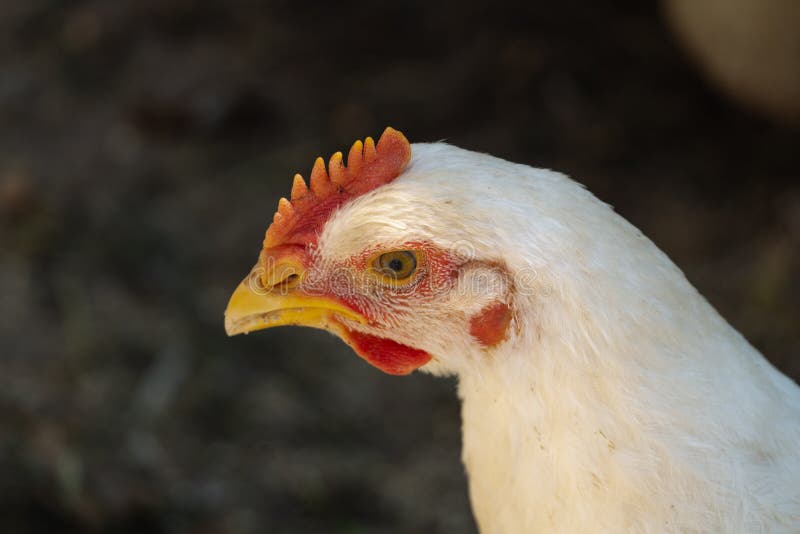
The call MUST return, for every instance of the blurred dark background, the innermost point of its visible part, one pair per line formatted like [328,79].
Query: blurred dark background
[143,147]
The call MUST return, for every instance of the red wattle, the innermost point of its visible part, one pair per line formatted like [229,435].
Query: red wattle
[389,356]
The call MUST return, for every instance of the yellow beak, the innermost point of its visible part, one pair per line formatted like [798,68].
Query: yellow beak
[254,307]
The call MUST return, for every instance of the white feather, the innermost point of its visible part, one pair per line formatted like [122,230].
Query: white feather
[621,401]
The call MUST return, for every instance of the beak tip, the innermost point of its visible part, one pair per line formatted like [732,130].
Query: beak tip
[230,328]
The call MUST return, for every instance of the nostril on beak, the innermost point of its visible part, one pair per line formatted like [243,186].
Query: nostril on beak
[278,276]
[287,283]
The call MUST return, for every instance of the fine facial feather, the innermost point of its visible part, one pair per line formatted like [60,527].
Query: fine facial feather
[621,399]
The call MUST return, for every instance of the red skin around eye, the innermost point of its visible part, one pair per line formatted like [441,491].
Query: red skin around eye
[439,271]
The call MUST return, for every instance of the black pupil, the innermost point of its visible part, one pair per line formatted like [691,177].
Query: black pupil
[396,265]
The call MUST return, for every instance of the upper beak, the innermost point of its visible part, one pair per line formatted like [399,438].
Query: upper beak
[258,304]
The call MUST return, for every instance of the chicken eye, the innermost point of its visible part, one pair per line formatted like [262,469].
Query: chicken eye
[397,265]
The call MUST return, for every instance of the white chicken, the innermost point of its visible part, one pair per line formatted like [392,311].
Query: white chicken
[601,392]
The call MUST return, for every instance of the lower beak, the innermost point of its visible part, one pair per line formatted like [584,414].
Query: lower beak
[251,307]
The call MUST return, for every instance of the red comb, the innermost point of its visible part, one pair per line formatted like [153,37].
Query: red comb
[298,222]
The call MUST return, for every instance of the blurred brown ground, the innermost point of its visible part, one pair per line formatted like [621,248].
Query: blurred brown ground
[143,146]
